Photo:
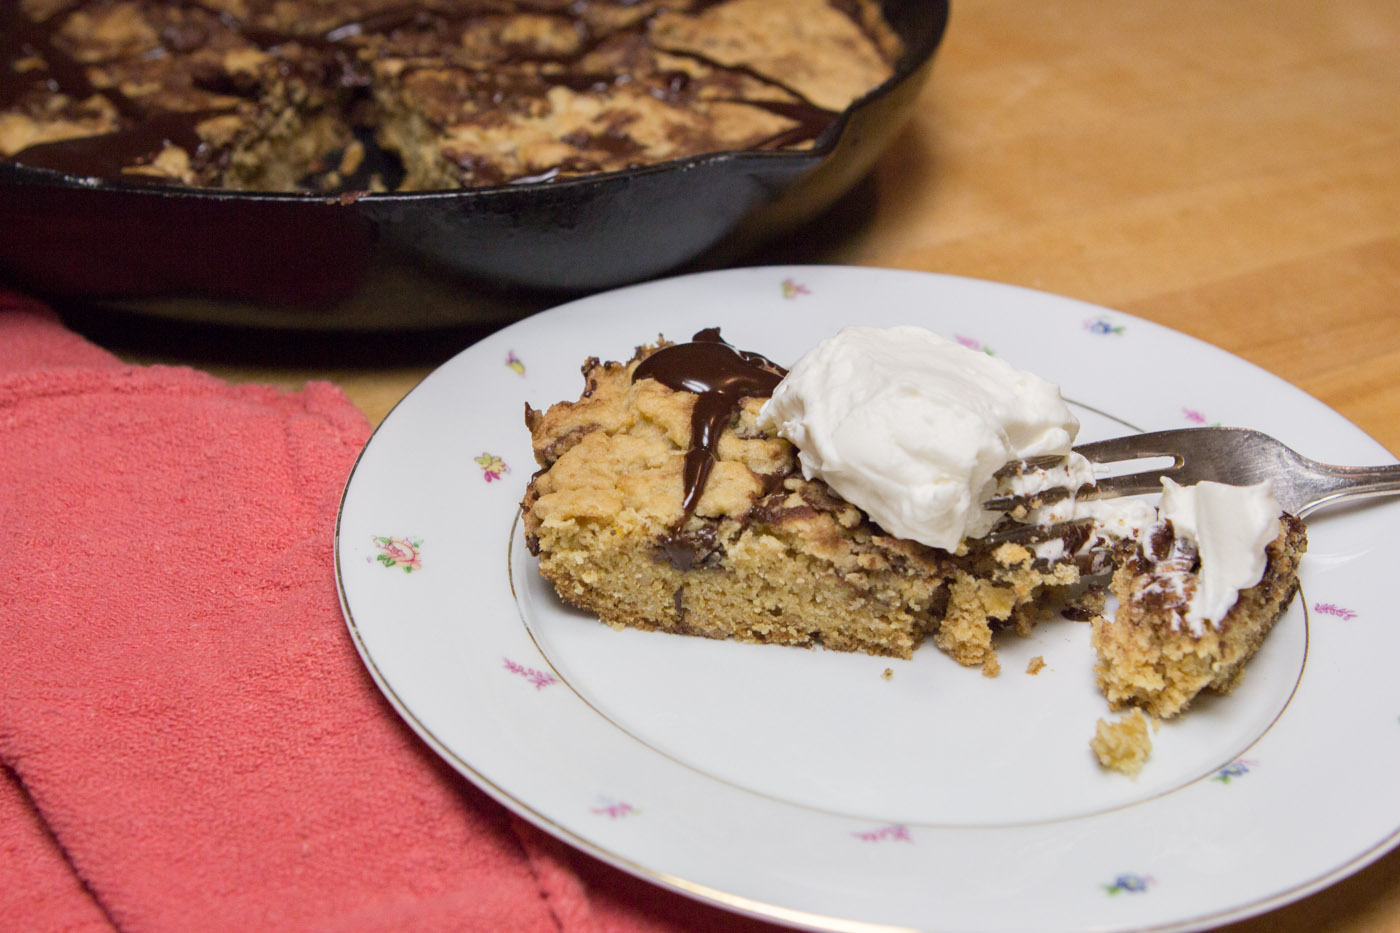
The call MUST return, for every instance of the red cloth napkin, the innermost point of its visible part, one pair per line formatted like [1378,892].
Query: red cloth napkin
[188,738]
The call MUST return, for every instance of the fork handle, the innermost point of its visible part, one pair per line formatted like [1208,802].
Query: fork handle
[1334,484]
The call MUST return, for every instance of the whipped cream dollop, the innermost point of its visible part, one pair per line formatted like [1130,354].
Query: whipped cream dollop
[1230,526]
[911,427]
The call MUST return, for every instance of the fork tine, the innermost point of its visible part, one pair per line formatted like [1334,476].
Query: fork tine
[1136,446]
[1129,484]
[1009,503]
[1015,467]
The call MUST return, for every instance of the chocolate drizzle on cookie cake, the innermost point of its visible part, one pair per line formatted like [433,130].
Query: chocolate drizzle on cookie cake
[721,377]
[273,94]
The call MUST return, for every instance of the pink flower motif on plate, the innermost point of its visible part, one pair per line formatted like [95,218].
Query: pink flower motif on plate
[613,809]
[791,289]
[492,466]
[974,344]
[1332,609]
[402,553]
[1196,417]
[513,363]
[540,679]
[895,832]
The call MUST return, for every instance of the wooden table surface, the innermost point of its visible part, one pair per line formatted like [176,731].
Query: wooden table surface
[1228,169]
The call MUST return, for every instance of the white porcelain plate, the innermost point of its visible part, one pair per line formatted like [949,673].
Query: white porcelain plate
[840,791]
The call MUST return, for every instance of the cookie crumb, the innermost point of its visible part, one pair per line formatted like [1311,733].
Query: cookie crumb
[1123,746]
[991,667]
[888,674]
[1036,665]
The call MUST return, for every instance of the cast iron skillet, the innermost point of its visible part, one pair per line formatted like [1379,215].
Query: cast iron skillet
[94,242]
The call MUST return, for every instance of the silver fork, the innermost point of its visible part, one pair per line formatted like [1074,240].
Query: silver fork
[1235,456]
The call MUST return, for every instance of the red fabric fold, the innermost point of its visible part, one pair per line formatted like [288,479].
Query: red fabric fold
[188,737]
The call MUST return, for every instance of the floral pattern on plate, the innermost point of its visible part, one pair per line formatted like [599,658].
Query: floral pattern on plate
[1198,418]
[1103,326]
[540,679]
[1129,883]
[613,809]
[973,343]
[492,467]
[895,832]
[1234,770]
[793,289]
[401,553]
